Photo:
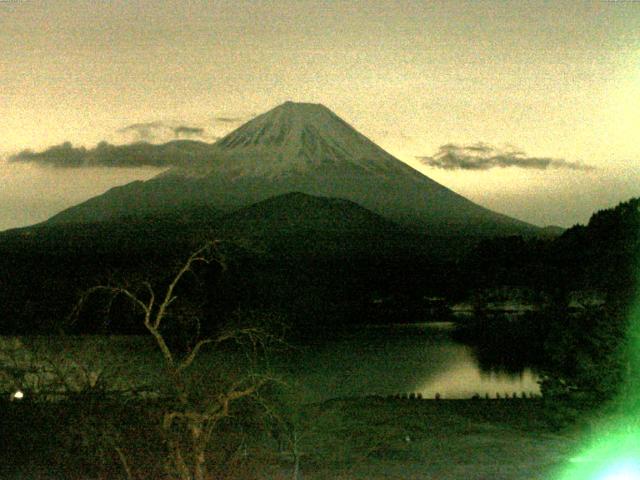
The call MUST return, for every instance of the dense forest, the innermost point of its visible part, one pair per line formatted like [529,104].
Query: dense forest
[581,337]
[312,274]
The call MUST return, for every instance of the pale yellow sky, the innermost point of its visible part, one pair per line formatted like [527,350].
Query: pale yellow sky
[555,79]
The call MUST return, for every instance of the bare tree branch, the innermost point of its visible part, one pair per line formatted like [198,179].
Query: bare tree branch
[188,360]
[199,255]
[199,416]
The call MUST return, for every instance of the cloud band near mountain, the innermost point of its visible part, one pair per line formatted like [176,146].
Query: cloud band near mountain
[154,131]
[228,119]
[482,156]
[186,131]
[106,155]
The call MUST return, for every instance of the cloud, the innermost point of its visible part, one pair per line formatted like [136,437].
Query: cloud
[160,132]
[105,154]
[143,132]
[228,119]
[63,155]
[186,131]
[483,156]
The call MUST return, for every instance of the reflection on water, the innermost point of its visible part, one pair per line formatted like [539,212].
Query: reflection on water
[405,359]
[368,361]
[465,379]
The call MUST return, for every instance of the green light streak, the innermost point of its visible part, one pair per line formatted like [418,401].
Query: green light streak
[615,454]
[614,457]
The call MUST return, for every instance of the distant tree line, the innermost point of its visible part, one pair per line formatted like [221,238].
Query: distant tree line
[584,354]
[312,278]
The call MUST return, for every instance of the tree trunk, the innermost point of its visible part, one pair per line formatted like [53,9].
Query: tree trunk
[199,458]
[124,462]
[296,457]
[178,461]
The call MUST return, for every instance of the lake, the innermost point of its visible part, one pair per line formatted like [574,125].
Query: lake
[390,360]
[416,358]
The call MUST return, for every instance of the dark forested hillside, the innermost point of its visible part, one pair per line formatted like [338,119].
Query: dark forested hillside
[588,280]
[602,255]
[315,260]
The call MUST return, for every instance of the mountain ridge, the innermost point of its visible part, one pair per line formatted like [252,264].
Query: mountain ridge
[297,210]
[305,148]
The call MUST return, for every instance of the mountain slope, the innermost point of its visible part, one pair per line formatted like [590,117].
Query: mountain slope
[297,210]
[300,147]
[300,225]
[293,253]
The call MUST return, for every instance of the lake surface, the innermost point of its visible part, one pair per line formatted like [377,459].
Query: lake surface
[416,358]
[421,359]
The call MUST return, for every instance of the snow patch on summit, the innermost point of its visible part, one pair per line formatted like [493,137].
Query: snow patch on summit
[296,138]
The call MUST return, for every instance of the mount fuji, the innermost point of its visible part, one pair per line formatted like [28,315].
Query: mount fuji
[298,147]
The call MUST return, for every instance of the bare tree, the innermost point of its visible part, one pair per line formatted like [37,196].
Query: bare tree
[191,416]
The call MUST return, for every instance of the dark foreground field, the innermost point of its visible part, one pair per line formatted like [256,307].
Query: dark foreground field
[427,439]
[369,438]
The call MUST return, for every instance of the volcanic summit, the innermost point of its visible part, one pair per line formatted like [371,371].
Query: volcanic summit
[299,147]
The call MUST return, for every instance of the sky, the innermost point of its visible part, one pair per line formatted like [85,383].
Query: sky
[530,108]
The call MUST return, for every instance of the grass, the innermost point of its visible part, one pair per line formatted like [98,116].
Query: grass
[362,438]
[425,439]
